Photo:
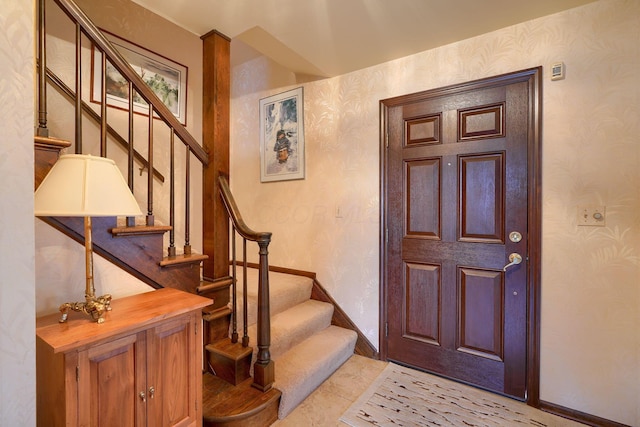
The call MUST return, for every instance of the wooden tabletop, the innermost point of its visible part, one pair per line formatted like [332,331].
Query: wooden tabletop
[128,314]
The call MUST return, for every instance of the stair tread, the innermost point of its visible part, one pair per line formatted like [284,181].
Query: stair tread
[214,285]
[140,229]
[50,141]
[296,324]
[234,351]
[285,291]
[307,365]
[218,313]
[182,259]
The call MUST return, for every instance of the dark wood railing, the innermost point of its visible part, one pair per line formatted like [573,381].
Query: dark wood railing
[263,371]
[156,110]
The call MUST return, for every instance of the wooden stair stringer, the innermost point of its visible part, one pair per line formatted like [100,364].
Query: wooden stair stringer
[137,254]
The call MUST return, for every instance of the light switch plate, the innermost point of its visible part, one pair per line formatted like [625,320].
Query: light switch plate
[557,71]
[591,215]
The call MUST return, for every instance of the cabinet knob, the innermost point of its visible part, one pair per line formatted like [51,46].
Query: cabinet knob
[151,392]
[143,397]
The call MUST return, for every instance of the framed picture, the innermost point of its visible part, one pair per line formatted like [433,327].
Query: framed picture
[282,137]
[165,77]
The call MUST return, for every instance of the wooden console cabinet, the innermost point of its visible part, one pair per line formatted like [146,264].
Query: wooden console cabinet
[141,367]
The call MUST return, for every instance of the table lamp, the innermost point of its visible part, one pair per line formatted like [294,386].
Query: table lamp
[85,186]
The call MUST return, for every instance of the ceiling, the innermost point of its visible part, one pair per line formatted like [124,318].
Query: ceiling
[326,38]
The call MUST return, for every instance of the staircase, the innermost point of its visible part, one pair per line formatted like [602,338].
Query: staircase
[137,249]
[305,347]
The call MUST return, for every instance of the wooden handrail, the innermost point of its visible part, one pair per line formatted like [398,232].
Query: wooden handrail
[116,59]
[234,213]
[264,368]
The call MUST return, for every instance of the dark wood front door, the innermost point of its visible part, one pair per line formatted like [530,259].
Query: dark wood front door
[459,181]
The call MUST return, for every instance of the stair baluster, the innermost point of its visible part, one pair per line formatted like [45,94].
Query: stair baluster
[234,290]
[42,66]
[131,221]
[187,203]
[150,219]
[171,250]
[245,334]
[103,107]
[78,109]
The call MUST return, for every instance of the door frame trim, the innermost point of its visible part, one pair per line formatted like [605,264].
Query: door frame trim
[533,76]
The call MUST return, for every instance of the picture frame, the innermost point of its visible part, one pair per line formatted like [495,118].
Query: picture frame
[282,145]
[165,77]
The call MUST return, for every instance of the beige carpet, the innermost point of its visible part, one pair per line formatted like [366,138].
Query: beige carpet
[405,397]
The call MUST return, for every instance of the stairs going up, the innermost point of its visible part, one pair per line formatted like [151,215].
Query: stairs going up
[137,249]
[305,347]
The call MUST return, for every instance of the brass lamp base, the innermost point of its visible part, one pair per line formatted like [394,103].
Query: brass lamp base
[93,306]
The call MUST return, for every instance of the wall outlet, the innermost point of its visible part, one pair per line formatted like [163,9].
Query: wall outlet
[591,215]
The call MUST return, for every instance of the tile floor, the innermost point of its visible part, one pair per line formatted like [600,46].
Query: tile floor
[326,404]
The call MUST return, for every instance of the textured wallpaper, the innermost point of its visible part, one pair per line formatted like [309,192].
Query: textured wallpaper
[17,286]
[590,346]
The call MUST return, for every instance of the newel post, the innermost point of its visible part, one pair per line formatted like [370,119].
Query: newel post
[216,95]
[264,368]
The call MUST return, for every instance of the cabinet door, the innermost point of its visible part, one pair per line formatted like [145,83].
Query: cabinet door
[110,377]
[171,383]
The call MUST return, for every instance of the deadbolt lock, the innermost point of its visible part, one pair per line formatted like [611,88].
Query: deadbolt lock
[515,237]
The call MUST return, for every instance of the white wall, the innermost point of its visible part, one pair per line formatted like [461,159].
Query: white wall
[17,283]
[590,346]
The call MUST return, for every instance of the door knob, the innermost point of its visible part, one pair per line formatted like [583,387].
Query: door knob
[514,259]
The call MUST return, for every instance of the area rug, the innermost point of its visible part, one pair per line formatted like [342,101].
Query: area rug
[406,397]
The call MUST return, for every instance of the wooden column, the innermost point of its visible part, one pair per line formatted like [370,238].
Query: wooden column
[215,127]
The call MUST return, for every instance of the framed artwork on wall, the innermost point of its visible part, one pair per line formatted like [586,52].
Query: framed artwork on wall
[166,78]
[282,137]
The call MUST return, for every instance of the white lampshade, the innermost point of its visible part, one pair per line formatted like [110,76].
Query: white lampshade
[84,185]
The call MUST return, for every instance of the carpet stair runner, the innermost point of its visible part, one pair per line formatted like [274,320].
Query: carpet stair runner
[305,347]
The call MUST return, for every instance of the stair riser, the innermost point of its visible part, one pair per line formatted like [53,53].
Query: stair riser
[237,406]
[266,417]
[216,330]
[232,371]
[220,297]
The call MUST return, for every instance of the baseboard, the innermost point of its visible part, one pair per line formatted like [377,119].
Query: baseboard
[578,416]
